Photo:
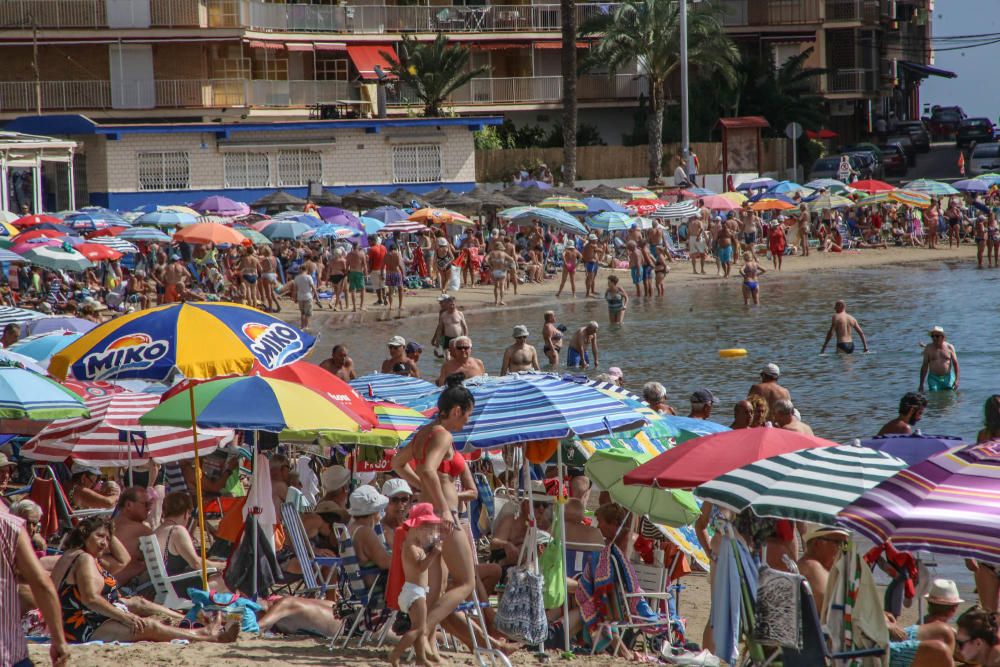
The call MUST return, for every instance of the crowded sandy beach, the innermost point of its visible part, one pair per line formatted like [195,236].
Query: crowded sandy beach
[300,449]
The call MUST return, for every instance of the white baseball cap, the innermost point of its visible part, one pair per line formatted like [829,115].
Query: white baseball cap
[396,486]
[366,500]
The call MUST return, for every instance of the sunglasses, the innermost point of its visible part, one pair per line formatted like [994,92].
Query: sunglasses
[463,347]
[937,336]
[402,500]
[960,643]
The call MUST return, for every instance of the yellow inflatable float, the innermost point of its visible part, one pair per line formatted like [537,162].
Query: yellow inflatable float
[732,352]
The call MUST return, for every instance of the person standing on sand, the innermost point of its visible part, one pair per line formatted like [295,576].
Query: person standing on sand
[940,364]
[842,325]
[592,255]
[339,363]
[724,253]
[635,266]
[570,259]
[697,247]
[451,324]
[911,409]
[804,230]
[393,270]
[750,272]
[585,336]
[552,338]
[498,260]
[520,356]
[768,387]
[443,258]
[357,272]
[376,260]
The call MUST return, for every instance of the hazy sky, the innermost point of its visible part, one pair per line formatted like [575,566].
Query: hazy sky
[977,88]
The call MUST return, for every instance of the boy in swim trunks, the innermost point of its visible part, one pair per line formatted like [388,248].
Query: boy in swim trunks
[940,364]
[420,549]
[357,271]
[751,271]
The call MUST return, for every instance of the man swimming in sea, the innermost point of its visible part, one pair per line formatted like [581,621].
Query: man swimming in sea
[585,336]
[842,325]
[911,409]
[940,365]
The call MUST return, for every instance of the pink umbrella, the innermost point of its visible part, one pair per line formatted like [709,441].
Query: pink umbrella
[25,246]
[719,203]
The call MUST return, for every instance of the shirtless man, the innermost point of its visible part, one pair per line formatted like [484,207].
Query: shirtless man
[451,324]
[339,363]
[940,366]
[577,532]
[173,276]
[397,357]
[842,325]
[783,413]
[696,243]
[823,549]
[393,269]
[911,409]
[336,274]
[357,271]
[647,264]
[511,250]
[585,336]
[768,387]
[655,240]
[520,356]
[570,260]
[461,361]
[552,338]
[131,524]
[635,258]
[724,243]
[249,269]
[498,260]
[804,230]
[751,228]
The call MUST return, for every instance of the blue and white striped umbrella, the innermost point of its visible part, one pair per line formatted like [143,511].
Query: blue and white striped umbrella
[89,221]
[332,232]
[553,217]
[611,221]
[521,408]
[144,234]
[8,256]
[115,243]
[679,211]
[297,216]
[28,395]
[42,347]
[412,392]
[166,219]
[11,315]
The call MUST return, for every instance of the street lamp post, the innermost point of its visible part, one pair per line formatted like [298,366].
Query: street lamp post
[685,126]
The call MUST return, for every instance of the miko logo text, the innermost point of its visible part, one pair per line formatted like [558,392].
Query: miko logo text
[124,355]
[273,344]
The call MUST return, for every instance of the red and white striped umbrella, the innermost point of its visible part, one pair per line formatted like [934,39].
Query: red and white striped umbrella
[404,226]
[105,437]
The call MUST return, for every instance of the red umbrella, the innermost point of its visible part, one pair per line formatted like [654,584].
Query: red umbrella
[703,459]
[36,233]
[113,230]
[32,220]
[321,380]
[96,252]
[822,134]
[872,186]
[646,206]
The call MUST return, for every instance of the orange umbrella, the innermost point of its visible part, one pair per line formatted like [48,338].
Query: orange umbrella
[210,232]
[429,216]
[771,205]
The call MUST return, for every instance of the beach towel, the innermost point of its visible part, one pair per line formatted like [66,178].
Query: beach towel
[396,575]
[43,492]
[226,603]
[595,587]
[733,563]
[853,613]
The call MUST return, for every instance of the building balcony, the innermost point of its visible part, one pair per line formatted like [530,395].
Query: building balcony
[852,11]
[378,19]
[533,90]
[768,13]
[851,81]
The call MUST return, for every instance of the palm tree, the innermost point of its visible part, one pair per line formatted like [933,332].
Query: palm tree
[433,70]
[569,120]
[648,32]
[782,95]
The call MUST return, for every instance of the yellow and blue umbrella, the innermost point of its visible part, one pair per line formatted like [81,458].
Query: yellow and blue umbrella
[570,204]
[200,340]
[253,403]
[28,395]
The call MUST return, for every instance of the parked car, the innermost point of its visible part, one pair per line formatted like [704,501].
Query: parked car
[985,158]
[918,133]
[829,167]
[944,122]
[871,165]
[979,130]
[894,160]
[908,148]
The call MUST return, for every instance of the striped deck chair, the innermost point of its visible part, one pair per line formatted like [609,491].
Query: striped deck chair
[66,512]
[312,582]
[577,556]
[361,602]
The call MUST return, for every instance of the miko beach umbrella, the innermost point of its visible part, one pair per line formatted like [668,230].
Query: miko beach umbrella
[807,485]
[948,504]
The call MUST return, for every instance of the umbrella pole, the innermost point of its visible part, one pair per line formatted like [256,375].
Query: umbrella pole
[562,543]
[256,511]
[197,490]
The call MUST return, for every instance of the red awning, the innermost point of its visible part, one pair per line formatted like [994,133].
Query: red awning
[292,46]
[273,46]
[366,57]
[556,44]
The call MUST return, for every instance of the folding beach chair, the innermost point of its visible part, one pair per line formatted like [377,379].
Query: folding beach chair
[163,582]
[577,557]
[360,601]
[67,515]
[313,582]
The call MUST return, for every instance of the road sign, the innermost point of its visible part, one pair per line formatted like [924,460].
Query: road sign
[793,130]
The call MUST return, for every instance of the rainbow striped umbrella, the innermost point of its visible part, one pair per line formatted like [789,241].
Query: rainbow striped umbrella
[199,339]
[948,504]
[610,221]
[28,395]
[911,198]
[636,192]
[570,204]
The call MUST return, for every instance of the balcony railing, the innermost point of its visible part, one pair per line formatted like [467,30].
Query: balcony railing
[851,11]
[760,13]
[851,81]
[377,19]
[300,93]
[533,90]
[53,13]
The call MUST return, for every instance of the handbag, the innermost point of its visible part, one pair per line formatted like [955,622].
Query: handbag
[521,612]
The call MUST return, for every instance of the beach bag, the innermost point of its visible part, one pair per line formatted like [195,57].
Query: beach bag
[553,566]
[521,612]
[778,609]
[455,283]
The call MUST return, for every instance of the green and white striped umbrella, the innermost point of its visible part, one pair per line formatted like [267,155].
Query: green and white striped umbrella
[807,485]
[932,188]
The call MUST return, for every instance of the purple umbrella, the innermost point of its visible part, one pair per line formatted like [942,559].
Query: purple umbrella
[387,214]
[912,448]
[219,205]
[972,185]
[44,325]
[343,218]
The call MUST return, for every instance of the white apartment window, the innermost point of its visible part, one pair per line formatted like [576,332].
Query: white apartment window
[247,170]
[417,163]
[164,170]
[297,168]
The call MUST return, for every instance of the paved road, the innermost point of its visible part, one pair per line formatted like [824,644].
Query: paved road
[941,164]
